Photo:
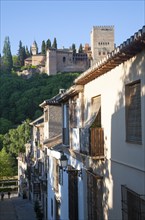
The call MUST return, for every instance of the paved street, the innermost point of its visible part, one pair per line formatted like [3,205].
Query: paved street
[16,208]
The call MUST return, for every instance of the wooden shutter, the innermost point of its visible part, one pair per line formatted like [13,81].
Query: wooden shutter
[94,196]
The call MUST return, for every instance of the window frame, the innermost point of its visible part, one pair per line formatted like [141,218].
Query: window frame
[130,93]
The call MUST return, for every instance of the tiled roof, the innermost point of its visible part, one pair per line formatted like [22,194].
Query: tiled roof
[125,51]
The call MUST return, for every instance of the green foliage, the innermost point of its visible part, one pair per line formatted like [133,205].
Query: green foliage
[14,141]
[7,56]
[43,47]
[20,98]
[27,52]
[5,125]
[7,164]
[80,48]
[21,54]
[74,48]
[1,141]
[54,45]
[16,61]
[48,44]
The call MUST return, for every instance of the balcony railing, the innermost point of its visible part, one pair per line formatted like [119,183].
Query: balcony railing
[96,147]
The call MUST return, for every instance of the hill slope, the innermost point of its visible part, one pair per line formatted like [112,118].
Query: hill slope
[20,98]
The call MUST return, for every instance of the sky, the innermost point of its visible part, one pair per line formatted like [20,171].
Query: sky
[69,21]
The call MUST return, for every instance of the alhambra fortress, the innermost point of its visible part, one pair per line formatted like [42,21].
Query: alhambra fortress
[64,60]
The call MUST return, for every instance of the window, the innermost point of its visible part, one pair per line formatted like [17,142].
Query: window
[133,205]
[74,111]
[96,110]
[94,196]
[64,59]
[133,112]
[73,194]
[99,53]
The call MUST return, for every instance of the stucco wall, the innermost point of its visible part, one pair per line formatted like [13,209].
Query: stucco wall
[125,162]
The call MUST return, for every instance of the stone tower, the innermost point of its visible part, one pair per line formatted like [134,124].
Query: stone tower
[51,62]
[102,42]
[34,48]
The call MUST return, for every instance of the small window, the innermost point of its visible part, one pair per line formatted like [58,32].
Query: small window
[64,59]
[133,112]
[99,53]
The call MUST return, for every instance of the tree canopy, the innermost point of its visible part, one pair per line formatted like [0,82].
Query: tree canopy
[20,98]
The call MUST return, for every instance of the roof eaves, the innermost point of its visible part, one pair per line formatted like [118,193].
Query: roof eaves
[72,91]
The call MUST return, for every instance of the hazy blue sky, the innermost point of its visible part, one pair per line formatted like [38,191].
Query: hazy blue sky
[68,21]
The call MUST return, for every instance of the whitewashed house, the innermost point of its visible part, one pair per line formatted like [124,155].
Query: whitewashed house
[104,139]
[97,127]
[51,143]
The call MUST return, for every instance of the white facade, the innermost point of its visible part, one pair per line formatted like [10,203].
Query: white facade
[103,138]
[123,161]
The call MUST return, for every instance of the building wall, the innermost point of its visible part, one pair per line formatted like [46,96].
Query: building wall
[55,121]
[102,42]
[51,65]
[38,60]
[124,162]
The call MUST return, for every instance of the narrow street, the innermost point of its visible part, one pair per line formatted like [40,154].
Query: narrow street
[16,208]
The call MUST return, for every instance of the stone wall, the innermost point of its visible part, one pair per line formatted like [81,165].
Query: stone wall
[65,61]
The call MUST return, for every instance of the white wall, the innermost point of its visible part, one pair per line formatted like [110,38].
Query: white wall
[125,162]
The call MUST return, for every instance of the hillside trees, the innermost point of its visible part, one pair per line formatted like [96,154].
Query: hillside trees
[15,139]
[20,98]
[8,166]
[7,61]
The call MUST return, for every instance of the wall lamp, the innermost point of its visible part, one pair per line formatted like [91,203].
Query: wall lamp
[80,173]
[63,161]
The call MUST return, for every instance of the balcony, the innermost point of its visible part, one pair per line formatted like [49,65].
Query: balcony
[96,147]
[92,142]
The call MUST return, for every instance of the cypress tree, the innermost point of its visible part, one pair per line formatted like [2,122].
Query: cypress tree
[7,56]
[54,45]
[27,52]
[43,47]
[48,44]
[21,54]
[80,48]
[74,49]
